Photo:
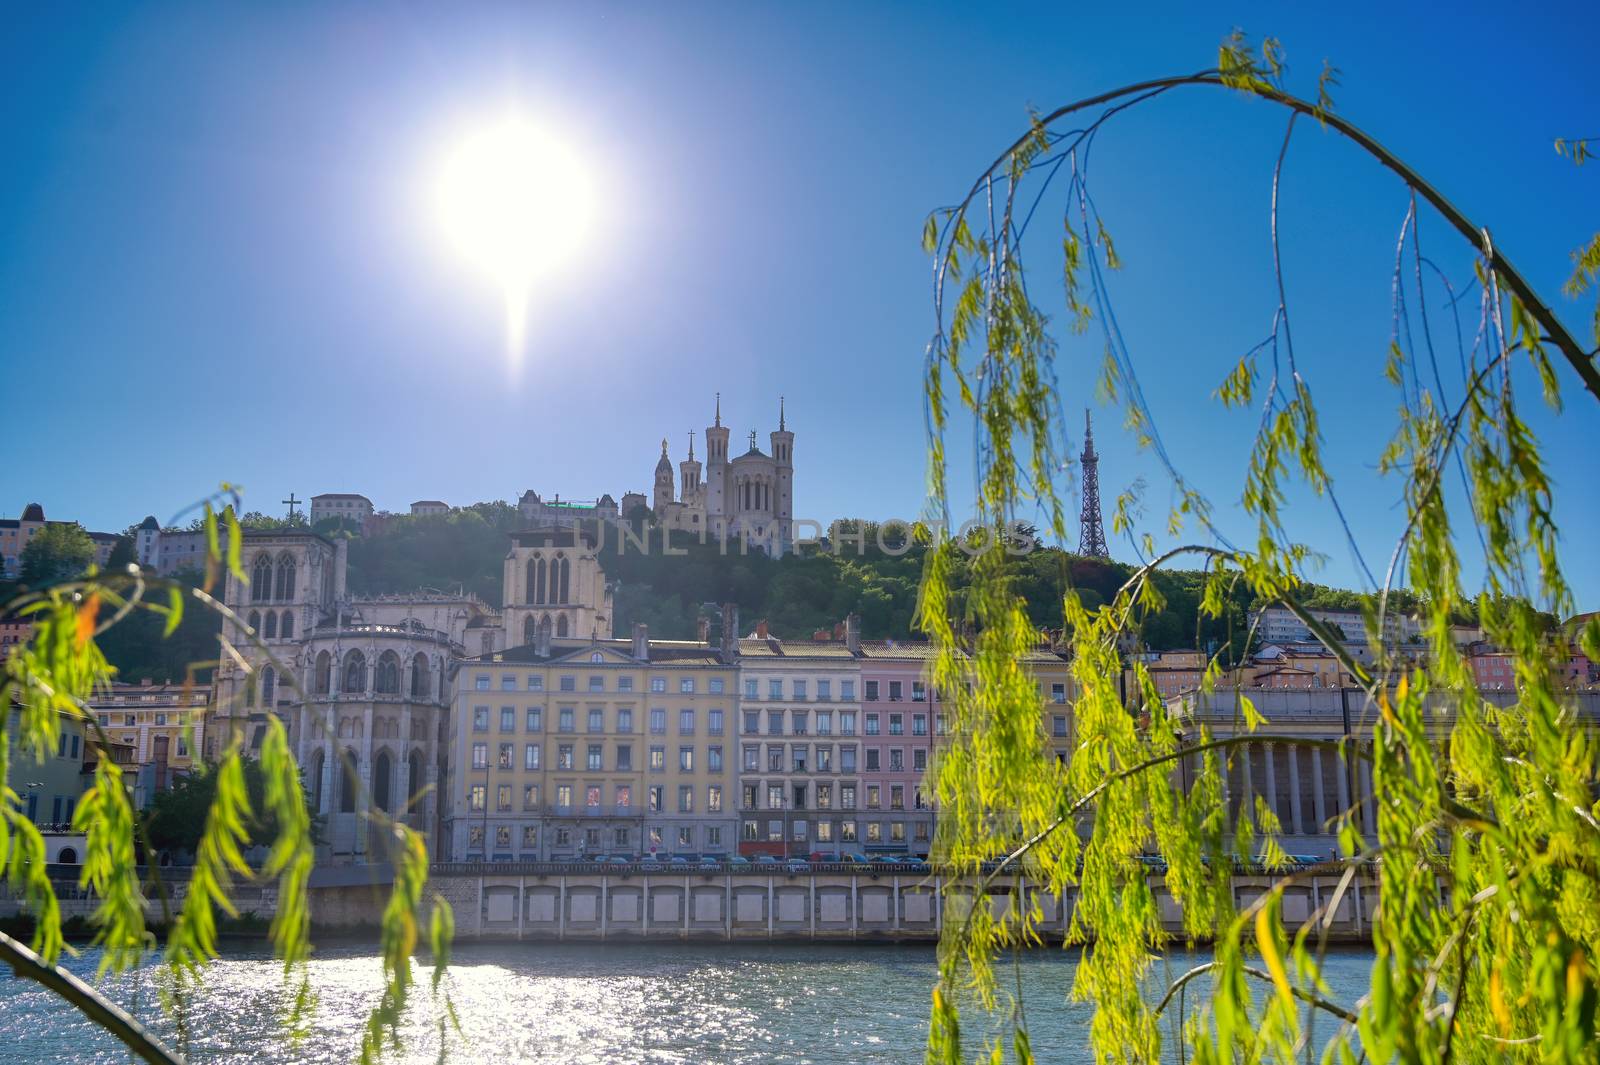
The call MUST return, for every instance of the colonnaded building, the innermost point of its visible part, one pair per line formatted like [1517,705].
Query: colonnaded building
[529,732]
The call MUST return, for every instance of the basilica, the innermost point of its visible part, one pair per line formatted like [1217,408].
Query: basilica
[747,496]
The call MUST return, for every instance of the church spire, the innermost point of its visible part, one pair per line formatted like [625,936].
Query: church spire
[691,445]
[780,414]
[718,422]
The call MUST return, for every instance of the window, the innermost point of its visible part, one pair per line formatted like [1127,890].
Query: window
[847,690]
[752,721]
[774,722]
[714,722]
[654,797]
[480,756]
[714,759]
[686,759]
[658,759]
[686,685]
[658,684]
[896,691]
[619,838]
[502,797]
[685,799]
[535,719]
[530,798]
[800,691]
[715,685]
[508,683]
[479,796]
[624,797]
[530,756]
[799,753]
[596,758]
[799,833]
[569,684]
[161,719]
[566,719]
[824,690]
[775,757]
[1058,693]
[847,723]
[750,689]
[564,798]
[824,831]
[713,837]
[874,832]
[536,684]
[874,796]
[897,724]
[597,719]
[686,722]
[872,691]
[658,721]
[714,799]
[625,720]
[919,724]
[872,725]
[591,798]
[480,719]
[919,692]
[919,798]
[824,796]
[897,831]
[872,759]
[922,832]
[1058,725]
[774,796]
[597,684]
[475,836]
[824,759]
[624,757]
[919,758]
[897,796]
[481,682]
[774,689]
[750,831]
[940,726]
[824,722]
[624,684]
[752,757]
[685,837]
[799,722]
[564,756]
[507,756]
[847,796]
[775,831]
[508,719]
[750,791]
[847,831]
[847,759]
[897,760]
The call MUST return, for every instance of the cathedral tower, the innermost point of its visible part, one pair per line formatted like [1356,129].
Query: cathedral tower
[663,491]
[783,495]
[716,467]
[689,473]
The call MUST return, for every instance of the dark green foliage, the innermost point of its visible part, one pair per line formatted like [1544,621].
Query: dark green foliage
[177,815]
[136,648]
[57,552]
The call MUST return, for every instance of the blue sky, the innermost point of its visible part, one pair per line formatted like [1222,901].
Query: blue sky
[215,262]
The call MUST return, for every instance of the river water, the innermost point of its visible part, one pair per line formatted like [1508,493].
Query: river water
[828,1004]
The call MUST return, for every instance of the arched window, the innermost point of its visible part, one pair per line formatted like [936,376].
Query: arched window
[254,621]
[388,676]
[285,577]
[381,772]
[355,672]
[544,628]
[419,677]
[270,632]
[348,781]
[250,690]
[540,588]
[261,580]
[315,773]
[269,684]
[286,627]
[566,574]
[415,777]
[561,626]
[528,629]
[67,856]
[532,579]
[324,672]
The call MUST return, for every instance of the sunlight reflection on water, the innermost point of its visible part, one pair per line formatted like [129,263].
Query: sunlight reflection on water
[576,1004]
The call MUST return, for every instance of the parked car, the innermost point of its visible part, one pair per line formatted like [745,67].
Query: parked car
[852,858]
[619,859]
[678,861]
[738,861]
[710,864]
[825,856]
[765,859]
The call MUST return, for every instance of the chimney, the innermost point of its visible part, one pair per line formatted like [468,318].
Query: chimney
[761,629]
[641,641]
[852,633]
[702,630]
[730,632]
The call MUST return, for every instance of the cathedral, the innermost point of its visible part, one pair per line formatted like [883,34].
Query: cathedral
[749,496]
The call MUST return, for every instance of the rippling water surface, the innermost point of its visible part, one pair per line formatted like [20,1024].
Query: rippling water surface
[828,1004]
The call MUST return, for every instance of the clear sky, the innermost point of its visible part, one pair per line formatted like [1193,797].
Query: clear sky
[217,259]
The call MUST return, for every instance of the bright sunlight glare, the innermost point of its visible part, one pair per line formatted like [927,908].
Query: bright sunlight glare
[515,203]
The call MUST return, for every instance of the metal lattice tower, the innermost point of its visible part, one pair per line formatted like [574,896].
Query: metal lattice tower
[1092,538]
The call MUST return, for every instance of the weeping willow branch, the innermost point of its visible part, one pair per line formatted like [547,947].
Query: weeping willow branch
[1300,993]
[107,1014]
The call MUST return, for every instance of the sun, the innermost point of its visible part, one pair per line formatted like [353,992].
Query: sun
[515,202]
